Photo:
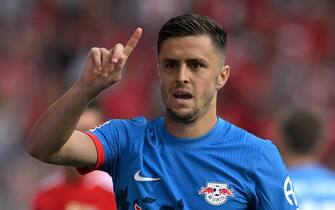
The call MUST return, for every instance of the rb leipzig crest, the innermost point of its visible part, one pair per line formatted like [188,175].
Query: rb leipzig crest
[216,193]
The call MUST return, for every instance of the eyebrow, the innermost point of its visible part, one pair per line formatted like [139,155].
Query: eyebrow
[192,60]
[187,60]
[170,60]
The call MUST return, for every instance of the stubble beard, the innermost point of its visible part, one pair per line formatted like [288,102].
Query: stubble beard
[184,119]
[195,114]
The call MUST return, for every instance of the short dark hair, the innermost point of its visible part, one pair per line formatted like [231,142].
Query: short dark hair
[302,130]
[193,25]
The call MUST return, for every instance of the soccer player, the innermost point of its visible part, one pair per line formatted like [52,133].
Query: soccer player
[190,158]
[302,131]
[70,191]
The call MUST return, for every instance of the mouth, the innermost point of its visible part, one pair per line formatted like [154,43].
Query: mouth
[182,95]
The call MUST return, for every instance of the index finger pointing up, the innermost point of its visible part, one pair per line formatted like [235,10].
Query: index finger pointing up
[131,44]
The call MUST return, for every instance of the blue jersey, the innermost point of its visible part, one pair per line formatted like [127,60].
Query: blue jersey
[227,168]
[314,186]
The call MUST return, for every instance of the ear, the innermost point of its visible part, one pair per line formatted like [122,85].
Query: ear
[223,76]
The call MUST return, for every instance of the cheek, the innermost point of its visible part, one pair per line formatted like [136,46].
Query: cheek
[166,84]
[164,91]
[206,90]
[207,86]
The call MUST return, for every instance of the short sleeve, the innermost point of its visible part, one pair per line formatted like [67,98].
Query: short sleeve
[110,140]
[273,187]
[100,155]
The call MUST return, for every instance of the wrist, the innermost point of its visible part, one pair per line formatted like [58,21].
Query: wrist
[84,91]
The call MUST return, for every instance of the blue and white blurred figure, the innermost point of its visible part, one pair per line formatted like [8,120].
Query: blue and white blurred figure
[314,184]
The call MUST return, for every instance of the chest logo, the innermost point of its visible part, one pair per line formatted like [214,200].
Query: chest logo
[216,193]
[140,178]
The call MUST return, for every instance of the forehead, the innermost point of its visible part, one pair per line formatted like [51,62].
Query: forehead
[188,47]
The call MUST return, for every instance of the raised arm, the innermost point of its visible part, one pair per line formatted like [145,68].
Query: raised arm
[53,138]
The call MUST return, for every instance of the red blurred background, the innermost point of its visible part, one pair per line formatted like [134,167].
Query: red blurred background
[280,53]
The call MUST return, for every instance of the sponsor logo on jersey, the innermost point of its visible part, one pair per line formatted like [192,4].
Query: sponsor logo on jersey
[216,193]
[289,192]
[140,178]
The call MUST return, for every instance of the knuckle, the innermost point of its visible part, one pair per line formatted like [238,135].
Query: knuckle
[94,50]
[119,46]
[103,50]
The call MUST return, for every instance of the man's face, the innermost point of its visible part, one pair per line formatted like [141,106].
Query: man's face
[191,72]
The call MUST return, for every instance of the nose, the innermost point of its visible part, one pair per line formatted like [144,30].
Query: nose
[183,74]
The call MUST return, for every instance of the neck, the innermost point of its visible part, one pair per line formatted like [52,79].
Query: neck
[293,160]
[192,130]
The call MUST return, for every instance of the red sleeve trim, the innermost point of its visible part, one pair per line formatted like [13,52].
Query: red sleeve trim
[100,155]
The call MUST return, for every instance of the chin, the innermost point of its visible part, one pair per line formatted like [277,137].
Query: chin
[184,118]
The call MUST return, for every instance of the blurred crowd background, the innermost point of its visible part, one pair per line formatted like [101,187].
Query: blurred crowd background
[281,52]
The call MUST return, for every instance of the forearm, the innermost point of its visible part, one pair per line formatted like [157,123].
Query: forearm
[53,139]
[57,124]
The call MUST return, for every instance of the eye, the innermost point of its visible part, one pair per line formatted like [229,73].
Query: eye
[196,65]
[170,65]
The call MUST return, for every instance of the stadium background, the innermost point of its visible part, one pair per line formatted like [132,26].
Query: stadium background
[281,52]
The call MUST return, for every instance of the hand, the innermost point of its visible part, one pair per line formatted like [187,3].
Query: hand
[104,67]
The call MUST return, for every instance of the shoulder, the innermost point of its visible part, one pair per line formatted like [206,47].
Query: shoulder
[132,122]
[245,139]
[126,131]
[248,148]
[121,127]
[136,125]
